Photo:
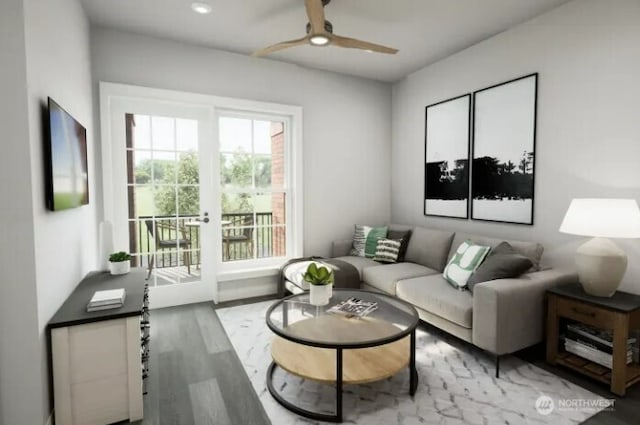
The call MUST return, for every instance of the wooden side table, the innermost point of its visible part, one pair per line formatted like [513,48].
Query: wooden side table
[620,314]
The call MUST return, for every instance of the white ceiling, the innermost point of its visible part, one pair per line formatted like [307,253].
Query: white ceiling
[424,31]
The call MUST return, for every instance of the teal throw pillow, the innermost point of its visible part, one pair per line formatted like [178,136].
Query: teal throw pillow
[464,262]
[365,239]
[373,236]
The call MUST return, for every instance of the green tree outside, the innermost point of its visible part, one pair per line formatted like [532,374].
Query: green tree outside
[235,172]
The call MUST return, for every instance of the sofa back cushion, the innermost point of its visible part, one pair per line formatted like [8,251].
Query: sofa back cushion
[531,250]
[429,247]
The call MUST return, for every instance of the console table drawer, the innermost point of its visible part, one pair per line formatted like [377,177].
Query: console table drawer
[585,313]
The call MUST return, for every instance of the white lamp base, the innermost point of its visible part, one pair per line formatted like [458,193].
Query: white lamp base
[601,265]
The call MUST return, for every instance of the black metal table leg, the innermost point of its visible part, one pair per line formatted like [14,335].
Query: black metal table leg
[298,410]
[339,384]
[413,372]
[285,315]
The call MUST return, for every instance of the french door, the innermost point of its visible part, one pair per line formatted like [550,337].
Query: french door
[159,192]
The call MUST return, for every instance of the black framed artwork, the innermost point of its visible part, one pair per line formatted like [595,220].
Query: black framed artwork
[504,138]
[446,176]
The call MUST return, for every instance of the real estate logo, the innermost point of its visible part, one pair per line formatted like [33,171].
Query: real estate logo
[544,405]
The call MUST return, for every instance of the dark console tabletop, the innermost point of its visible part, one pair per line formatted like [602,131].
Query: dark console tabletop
[74,309]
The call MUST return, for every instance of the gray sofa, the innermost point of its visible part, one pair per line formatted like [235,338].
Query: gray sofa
[501,316]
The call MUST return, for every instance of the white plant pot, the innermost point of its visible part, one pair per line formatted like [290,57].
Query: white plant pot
[320,294]
[121,267]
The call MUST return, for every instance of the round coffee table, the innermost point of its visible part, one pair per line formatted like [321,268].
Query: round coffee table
[314,344]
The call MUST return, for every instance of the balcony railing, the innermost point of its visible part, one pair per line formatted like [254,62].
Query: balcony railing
[184,227]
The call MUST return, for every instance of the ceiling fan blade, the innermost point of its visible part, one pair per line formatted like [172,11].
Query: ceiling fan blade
[353,43]
[280,46]
[315,12]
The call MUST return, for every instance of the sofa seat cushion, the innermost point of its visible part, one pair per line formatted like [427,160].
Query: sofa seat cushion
[360,263]
[435,295]
[385,277]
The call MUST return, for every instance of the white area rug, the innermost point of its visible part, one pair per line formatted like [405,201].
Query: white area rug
[457,384]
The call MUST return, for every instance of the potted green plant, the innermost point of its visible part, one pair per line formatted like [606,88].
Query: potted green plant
[320,279]
[119,262]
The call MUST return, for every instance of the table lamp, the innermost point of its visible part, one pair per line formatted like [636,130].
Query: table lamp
[600,262]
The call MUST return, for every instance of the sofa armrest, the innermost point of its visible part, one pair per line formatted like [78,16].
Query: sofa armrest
[508,314]
[341,248]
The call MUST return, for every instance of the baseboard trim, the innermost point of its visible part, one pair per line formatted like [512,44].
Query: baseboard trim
[240,289]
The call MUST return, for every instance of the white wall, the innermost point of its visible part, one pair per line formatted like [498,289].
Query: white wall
[45,52]
[58,65]
[19,343]
[588,143]
[347,127]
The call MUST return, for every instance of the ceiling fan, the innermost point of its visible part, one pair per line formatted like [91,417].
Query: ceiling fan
[320,33]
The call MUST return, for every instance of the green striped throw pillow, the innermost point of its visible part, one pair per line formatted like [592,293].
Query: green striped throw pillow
[365,239]
[464,262]
[387,250]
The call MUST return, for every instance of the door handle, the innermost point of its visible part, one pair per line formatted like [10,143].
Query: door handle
[206,217]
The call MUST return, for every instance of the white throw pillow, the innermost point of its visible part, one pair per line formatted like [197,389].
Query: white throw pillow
[464,262]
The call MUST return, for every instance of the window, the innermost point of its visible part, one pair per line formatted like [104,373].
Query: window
[255,188]
[247,219]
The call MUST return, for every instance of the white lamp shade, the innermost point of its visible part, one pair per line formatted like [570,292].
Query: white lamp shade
[604,218]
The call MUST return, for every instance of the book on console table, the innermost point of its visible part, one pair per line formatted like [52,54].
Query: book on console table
[105,300]
[103,307]
[354,307]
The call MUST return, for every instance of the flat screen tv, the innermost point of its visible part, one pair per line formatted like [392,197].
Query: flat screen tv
[67,182]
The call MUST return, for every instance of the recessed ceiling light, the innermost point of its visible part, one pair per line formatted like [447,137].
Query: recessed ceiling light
[319,40]
[201,8]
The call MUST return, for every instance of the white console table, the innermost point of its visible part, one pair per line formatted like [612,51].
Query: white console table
[99,358]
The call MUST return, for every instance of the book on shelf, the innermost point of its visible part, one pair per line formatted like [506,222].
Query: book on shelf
[601,336]
[594,351]
[592,354]
[354,307]
[606,348]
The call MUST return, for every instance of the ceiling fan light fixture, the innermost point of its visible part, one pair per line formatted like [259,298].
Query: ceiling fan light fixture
[201,8]
[319,32]
[319,40]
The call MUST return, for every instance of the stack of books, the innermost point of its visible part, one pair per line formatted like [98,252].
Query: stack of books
[106,300]
[354,307]
[593,344]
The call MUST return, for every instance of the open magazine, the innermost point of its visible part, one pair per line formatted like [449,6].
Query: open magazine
[354,307]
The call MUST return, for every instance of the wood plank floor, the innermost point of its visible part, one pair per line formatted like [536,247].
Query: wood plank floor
[196,377]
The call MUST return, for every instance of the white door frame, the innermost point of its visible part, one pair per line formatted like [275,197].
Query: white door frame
[115,184]
[113,99]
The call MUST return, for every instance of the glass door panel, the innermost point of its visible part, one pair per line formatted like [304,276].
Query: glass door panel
[252,188]
[163,197]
